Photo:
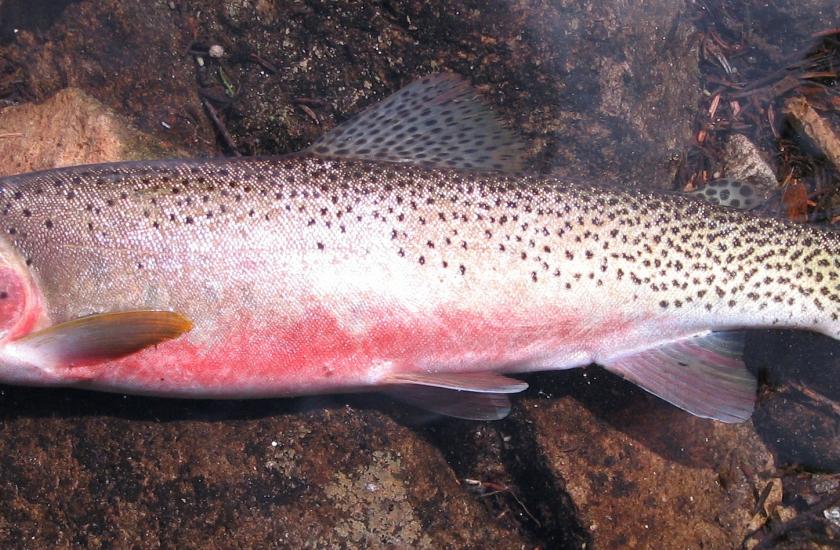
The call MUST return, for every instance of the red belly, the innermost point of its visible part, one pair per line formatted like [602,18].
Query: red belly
[318,354]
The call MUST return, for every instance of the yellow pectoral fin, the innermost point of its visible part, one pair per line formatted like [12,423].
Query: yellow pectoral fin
[102,337]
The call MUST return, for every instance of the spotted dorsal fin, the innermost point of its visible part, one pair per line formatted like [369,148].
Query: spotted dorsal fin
[437,121]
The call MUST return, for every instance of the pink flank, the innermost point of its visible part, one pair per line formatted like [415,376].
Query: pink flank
[316,354]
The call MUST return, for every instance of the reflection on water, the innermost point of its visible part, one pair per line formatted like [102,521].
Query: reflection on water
[646,95]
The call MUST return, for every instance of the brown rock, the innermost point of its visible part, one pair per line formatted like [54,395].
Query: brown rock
[96,471]
[129,55]
[70,128]
[651,476]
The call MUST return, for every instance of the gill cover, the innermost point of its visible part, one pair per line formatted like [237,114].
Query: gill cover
[19,302]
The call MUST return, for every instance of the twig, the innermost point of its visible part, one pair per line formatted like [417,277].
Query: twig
[310,113]
[226,137]
[814,513]
[496,489]
[310,101]
[814,396]
[262,63]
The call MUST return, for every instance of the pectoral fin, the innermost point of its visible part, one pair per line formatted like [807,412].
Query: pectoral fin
[470,395]
[703,374]
[99,338]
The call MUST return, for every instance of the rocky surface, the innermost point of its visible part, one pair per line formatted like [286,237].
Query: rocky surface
[592,94]
[585,460]
[70,128]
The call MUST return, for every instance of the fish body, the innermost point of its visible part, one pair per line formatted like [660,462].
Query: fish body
[321,272]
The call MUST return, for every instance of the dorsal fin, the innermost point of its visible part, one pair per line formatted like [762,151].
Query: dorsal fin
[437,121]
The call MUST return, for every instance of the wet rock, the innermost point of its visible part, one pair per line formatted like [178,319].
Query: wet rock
[96,471]
[129,55]
[743,161]
[643,474]
[67,129]
[593,96]
[798,415]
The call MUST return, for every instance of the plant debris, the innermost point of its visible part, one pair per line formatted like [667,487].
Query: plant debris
[773,99]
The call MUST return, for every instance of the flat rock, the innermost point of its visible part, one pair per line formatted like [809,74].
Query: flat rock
[67,129]
[744,161]
[97,471]
[631,496]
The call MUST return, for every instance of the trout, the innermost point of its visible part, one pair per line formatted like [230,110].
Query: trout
[404,251]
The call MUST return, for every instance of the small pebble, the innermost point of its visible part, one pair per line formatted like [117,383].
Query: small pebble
[216,51]
[833,515]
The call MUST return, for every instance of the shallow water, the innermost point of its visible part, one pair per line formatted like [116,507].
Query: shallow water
[603,91]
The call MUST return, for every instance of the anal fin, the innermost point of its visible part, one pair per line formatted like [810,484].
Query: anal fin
[702,374]
[454,403]
[98,338]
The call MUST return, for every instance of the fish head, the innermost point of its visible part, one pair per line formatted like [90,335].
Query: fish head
[20,308]
[21,313]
